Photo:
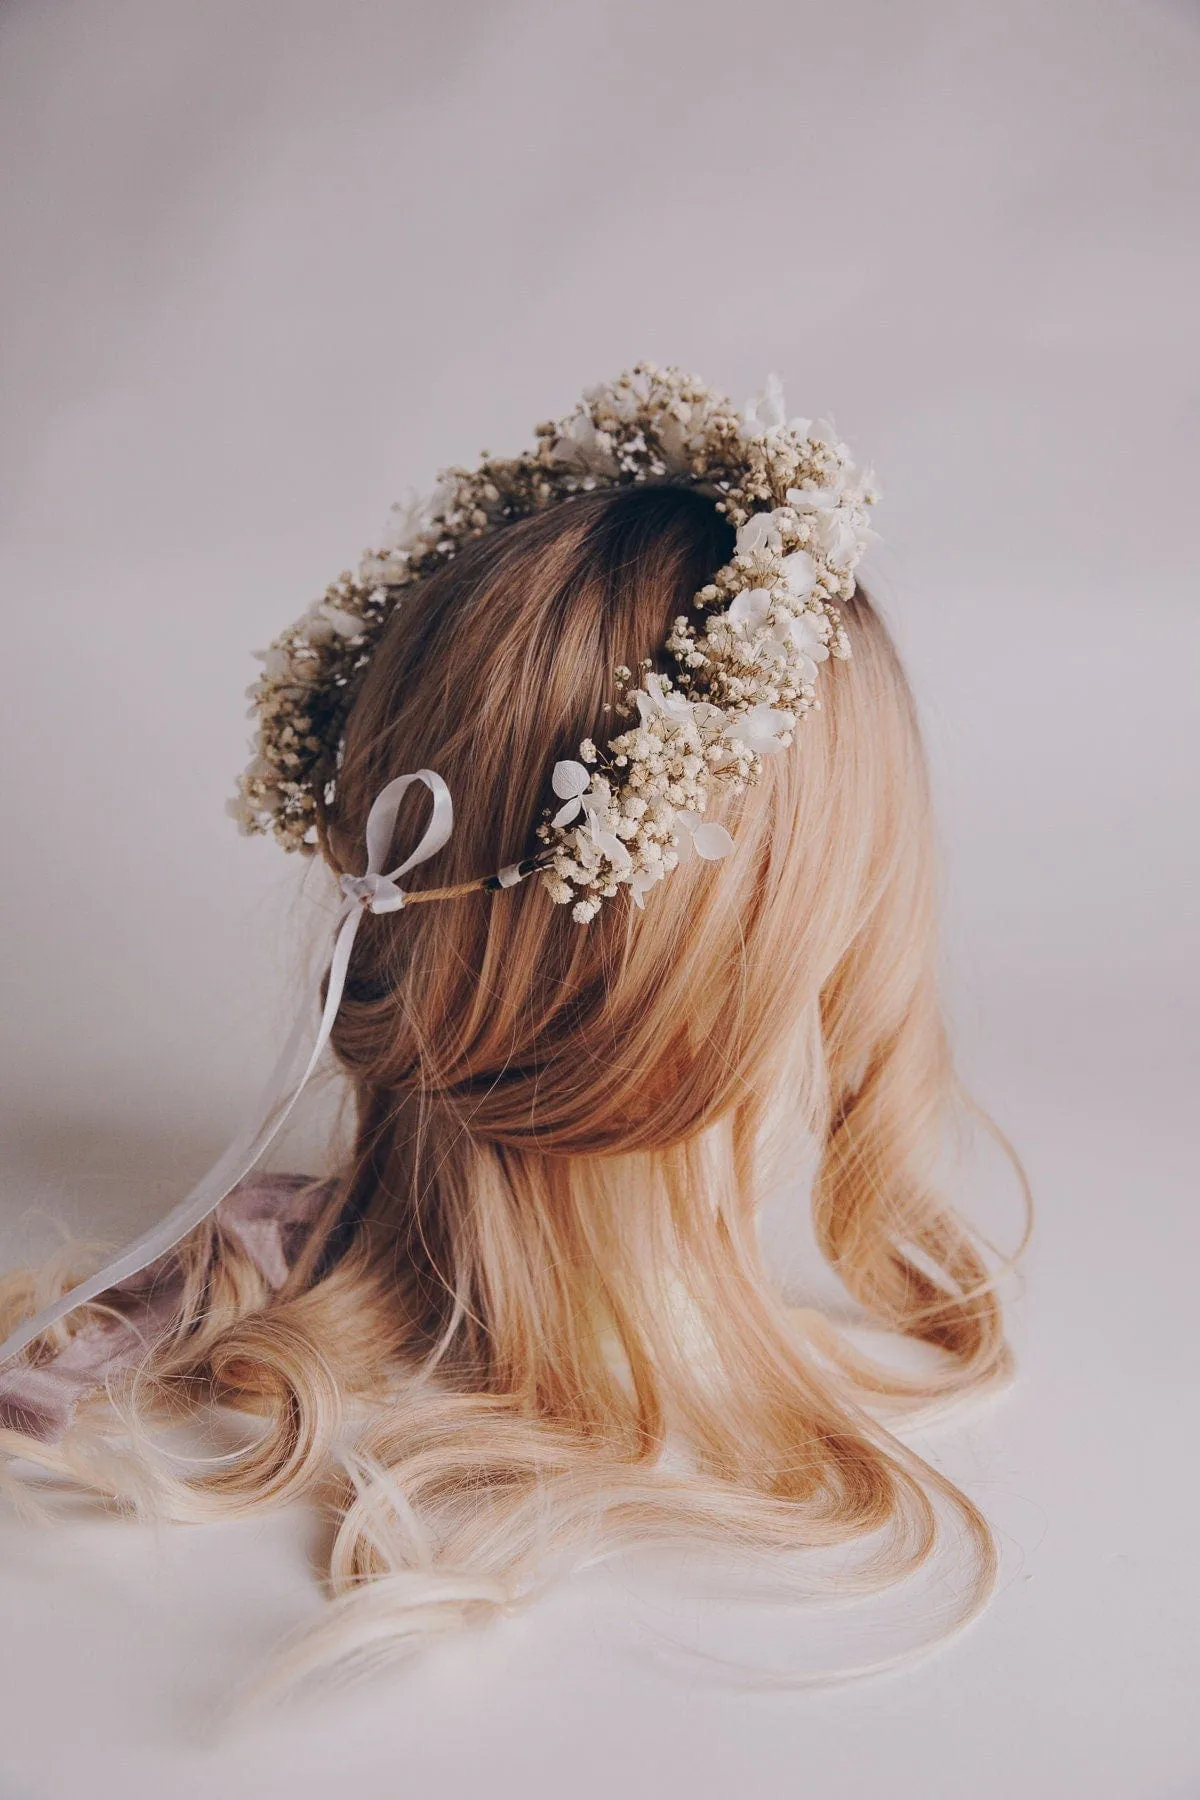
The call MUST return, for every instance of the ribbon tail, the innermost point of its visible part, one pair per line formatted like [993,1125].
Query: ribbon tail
[260,1130]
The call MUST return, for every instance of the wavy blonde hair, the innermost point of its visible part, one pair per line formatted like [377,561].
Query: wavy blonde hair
[540,1268]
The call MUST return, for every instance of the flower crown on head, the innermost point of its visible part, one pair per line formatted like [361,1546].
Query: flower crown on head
[741,666]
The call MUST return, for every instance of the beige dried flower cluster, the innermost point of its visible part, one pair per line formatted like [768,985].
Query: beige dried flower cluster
[741,669]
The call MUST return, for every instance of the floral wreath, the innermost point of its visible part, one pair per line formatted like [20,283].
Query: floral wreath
[742,666]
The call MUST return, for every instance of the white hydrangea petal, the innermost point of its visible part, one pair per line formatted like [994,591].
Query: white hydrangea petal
[344,623]
[712,842]
[843,540]
[640,884]
[758,533]
[800,573]
[803,635]
[566,813]
[749,607]
[570,779]
[771,718]
[409,521]
[773,401]
[759,729]
[766,411]
[656,698]
[614,849]
[812,499]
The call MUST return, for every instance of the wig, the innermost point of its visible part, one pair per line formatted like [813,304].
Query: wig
[527,1322]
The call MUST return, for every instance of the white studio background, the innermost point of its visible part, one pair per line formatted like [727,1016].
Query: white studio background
[264,265]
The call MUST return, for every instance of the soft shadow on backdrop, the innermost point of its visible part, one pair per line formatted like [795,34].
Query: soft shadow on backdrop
[267,265]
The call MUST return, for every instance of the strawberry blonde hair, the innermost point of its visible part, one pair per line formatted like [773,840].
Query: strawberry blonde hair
[540,1263]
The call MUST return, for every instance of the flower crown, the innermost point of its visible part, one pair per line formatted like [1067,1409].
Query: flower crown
[741,667]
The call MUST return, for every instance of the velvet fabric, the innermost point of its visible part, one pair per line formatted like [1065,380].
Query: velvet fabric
[270,1216]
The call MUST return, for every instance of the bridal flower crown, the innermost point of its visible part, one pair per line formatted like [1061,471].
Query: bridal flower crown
[739,670]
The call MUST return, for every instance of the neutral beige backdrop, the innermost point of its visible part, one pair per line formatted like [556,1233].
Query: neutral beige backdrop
[266,264]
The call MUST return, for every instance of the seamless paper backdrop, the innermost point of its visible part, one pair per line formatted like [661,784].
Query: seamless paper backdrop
[265,265]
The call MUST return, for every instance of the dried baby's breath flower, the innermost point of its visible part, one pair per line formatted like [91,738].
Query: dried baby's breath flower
[741,668]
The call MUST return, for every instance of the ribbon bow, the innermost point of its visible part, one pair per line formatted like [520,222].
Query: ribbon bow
[375,891]
[371,892]
[378,893]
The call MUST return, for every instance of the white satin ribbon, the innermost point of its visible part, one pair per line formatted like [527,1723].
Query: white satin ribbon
[372,892]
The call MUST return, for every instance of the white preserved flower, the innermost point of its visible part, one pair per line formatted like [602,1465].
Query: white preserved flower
[641,881]
[345,624]
[653,701]
[583,445]
[741,664]
[570,782]
[750,607]
[613,848]
[813,499]
[841,537]
[807,644]
[708,841]
[409,521]
[761,729]
[767,413]
[759,533]
[800,573]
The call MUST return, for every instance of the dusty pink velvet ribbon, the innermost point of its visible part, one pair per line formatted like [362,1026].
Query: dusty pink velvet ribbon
[269,1215]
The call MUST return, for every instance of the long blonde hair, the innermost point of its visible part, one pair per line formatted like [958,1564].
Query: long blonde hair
[540,1265]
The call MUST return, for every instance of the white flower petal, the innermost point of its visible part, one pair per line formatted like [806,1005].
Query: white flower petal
[758,533]
[640,884]
[800,573]
[712,842]
[750,607]
[344,623]
[812,499]
[566,813]
[844,540]
[674,705]
[570,779]
[806,639]
[410,519]
[656,701]
[760,727]
[614,849]
[766,411]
